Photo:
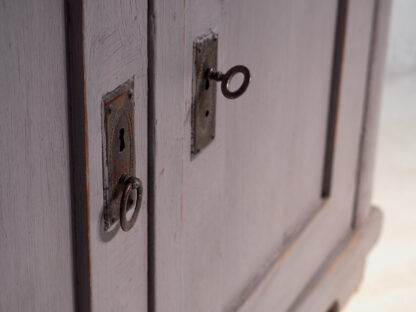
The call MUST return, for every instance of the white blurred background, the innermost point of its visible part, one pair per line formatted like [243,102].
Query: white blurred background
[389,282]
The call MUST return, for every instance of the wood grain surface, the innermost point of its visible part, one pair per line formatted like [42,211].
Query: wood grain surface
[243,226]
[35,215]
[109,42]
[341,272]
[371,115]
[223,220]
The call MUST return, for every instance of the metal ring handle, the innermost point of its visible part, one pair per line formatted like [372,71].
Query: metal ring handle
[228,76]
[226,80]
[135,184]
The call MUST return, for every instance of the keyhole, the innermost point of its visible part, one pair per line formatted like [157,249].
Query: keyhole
[206,84]
[121,138]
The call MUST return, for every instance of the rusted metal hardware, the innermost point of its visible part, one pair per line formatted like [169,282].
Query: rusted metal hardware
[204,93]
[130,183]
[204,99]
[119,153]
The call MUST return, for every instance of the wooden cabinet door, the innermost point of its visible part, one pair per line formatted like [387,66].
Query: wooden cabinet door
[58,61]
[246,224]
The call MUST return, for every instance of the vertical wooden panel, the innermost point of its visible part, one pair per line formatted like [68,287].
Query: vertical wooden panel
[167,145]
[371,114]
[110,42]
[331,225]
[35,213]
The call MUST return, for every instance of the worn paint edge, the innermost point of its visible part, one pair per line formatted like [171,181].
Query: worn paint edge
[275,261]
[78,134]
[354,240]
[351,239]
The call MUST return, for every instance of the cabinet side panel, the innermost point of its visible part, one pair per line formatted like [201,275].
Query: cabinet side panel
[35,214]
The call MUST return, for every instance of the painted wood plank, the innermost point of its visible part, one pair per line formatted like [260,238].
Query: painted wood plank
[167,109]
[109,49]
[35,216]
[372,111]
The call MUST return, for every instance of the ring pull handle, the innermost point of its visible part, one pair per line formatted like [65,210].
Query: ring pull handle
[130,183]
[226,80]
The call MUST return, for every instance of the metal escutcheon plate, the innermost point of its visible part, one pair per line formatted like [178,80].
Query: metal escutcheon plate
[118,147]
[204,93]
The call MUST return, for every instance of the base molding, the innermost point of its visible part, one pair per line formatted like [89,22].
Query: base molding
[341,274]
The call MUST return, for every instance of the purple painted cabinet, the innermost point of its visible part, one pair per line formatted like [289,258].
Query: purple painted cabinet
[271,212]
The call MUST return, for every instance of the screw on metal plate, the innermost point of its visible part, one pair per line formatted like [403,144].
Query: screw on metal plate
[204,92]
[119,157]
